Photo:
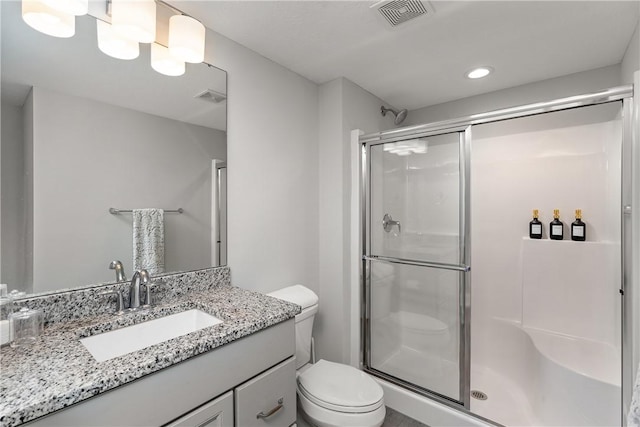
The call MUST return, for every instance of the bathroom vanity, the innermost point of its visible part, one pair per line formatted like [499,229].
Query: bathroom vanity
[240,372]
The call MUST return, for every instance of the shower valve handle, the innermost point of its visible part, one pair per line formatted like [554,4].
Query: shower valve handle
[388,223]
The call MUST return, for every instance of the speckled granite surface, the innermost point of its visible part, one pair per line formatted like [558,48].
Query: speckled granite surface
[633,417]
[57,371]
[79,303]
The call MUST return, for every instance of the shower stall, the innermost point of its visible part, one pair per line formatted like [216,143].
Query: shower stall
[460,305]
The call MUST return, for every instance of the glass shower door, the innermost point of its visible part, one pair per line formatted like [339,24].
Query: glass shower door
[416,259]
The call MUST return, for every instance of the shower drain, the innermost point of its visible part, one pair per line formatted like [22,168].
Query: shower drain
[477,394]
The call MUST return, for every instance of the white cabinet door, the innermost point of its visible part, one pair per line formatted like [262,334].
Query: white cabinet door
[216,413]
[268,399]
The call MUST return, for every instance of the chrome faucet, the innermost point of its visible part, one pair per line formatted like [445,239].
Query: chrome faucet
[140,277]
[117,266]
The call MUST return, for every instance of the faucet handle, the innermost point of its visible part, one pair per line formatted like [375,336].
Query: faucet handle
[144,276]
[147,293]
[120,300]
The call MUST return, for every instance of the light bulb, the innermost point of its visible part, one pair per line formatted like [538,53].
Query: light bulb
[134,19]
[164,63]
[186,38]
[72,7]
[480,72]
[113,45]
[47,20]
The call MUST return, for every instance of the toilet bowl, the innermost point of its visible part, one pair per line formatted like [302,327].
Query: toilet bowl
[329,394]
[336,395]
[421,332]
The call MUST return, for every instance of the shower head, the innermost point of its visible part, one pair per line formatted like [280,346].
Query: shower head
[400,115]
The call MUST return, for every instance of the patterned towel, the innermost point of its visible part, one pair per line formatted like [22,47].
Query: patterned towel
[148,240]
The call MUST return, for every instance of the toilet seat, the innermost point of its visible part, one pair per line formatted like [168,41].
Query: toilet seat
[340,388]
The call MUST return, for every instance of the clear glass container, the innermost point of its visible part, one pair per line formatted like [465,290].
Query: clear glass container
[26,325]
[6,308]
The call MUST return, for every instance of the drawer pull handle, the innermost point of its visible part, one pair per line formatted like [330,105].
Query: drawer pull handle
[264,416]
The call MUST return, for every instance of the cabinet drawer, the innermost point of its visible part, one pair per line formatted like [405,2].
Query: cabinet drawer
[268,399]
[217,413]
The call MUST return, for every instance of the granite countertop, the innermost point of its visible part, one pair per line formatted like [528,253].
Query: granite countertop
[57,370]
[633,417]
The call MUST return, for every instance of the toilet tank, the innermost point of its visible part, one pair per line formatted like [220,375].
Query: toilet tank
[308,300]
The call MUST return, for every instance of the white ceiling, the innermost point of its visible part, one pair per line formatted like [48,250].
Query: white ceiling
[423,62]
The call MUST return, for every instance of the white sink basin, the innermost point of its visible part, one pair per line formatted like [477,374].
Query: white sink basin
[136,337]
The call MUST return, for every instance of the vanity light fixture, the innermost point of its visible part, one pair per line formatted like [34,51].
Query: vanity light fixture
[132,22]
[113,45]
[134,19]
[478,73]
[163,62]
[42,17]
[71,7]
[186,38]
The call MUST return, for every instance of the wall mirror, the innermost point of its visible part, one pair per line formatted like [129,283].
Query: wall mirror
[82,133]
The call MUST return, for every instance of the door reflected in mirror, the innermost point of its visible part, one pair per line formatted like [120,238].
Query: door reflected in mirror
[82,133]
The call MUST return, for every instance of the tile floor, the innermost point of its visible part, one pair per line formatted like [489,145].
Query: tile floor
[396,419]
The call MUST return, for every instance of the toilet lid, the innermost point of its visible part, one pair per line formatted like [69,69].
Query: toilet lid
[296,294]
[340,387]
[420,323]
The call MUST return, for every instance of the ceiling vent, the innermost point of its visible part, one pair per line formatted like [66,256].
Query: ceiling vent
[211,95]
[397,12]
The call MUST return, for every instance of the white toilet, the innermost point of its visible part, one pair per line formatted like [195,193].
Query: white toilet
[329,394]
[421,332]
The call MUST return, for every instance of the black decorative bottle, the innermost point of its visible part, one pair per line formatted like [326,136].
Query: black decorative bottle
[578,228]
[535,226]
[556,228]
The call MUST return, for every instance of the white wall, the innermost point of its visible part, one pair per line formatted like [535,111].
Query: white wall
[12,216]
[343,106]
[631,60]
[90,156]
[329,324]
[272,169]
[573,84]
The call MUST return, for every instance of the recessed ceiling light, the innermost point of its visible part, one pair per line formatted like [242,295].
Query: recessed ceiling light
[478,73]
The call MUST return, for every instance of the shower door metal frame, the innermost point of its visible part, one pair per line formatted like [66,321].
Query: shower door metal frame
[221,188]
[629,292]
[630,195]
[463,265]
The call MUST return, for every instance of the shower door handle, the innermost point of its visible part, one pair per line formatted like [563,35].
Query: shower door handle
[388,223]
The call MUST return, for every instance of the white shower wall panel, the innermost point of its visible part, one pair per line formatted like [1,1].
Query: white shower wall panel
[566,160]
[546,313]
[571,288]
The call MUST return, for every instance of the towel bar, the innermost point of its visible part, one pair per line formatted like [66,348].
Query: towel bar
[115,211]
